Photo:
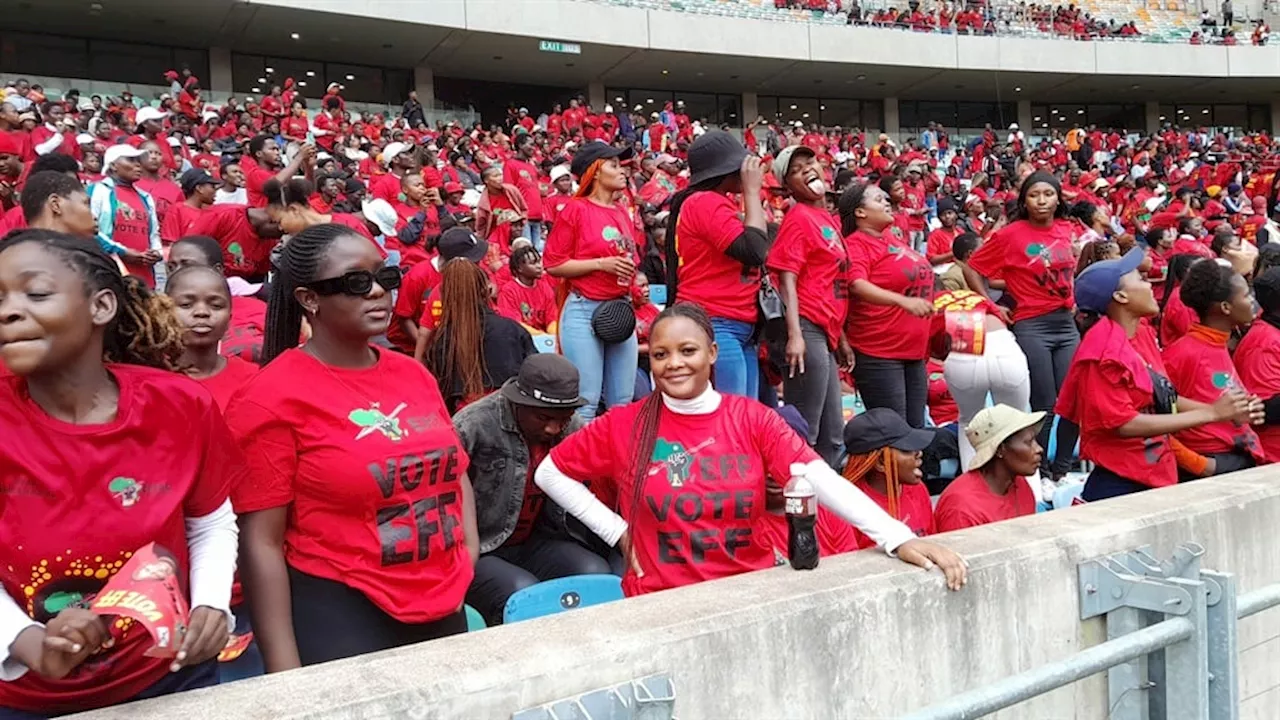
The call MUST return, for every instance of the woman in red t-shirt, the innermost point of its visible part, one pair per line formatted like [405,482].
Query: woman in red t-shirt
[890,287]
[592,248]
[687,470]
[115,450]
[1033,254]
[720,252]
[1118,390]
[1200,366]
[358,519]
[243,338]
[289,204]
[203,301]
[885,460]
[996,487]
[812,265]
[1257,359]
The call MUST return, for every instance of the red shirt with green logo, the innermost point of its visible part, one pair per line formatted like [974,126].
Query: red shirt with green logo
[889,263]
[585,231]
[1200,368]
[724,287]
[370,467]
[810,246]
[533,306]
[77,500]
[243,252]
[703,499]
[1037,265]
[525,177]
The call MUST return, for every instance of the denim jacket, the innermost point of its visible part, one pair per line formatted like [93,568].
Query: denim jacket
[499,467]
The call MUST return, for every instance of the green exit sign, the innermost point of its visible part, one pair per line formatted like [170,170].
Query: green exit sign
[555,46]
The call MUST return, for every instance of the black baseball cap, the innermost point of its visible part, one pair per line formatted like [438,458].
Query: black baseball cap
[547,381]
[881,427]
[194,178]
[596,150]
[459,242]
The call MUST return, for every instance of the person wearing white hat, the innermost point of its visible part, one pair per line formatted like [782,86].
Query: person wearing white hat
[150,123]
[126,215]
[400,160]
[561,193]
[996,488]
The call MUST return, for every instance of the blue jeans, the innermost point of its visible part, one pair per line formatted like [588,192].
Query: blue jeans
[607,371]
[737,366]
[533,231]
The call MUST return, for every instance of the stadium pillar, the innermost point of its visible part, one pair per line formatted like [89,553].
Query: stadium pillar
[1152,108]
[1275,117]
[1025,120]
[424,82]
[595,94]
[892,125]
[751,108]
[220,81]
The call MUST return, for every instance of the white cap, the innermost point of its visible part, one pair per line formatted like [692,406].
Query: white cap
[390,152]
[150,113]
[380,213]
[84,139]
[116,152]
[558,172]
[1013,126]
[173,141]
[608,108]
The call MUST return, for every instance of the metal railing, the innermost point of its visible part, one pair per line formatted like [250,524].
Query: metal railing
[1171,650]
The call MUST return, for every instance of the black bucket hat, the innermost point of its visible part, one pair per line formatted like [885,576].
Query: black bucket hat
[714,154]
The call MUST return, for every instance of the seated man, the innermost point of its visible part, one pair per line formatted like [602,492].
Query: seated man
[523,537]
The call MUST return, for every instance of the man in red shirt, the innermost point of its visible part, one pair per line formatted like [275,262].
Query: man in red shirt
[198,187]
[574,116]
[399,161]
[520,172]
[328,124]
[263,163]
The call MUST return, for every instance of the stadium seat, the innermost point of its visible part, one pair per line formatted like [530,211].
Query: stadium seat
[474,620]
[556,596]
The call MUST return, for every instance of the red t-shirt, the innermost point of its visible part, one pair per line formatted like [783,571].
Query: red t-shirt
[385,187]
[1176,319]
[645,315]
[432,310]
[356,224]
[585,231]
[534,499]
[177,222]
[968,502]
[1203,371]
[1109,384]
[525,177]
[108,490]
[533,306]
[370,467]
[552,206]
[1037,265]
[1257,359]
[164,192]
[248,323]
[704,494]
[724,287]
[942,407]
[255,176]
[415,288]
[915,510]
[132,229]
[888,262]
[243,252]
[12,220]
[810,246]
[229,380]
[940,241]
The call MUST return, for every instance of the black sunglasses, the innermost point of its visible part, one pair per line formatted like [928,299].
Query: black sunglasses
[357,282]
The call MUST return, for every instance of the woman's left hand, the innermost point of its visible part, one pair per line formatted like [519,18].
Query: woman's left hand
[207,635]
[927,555]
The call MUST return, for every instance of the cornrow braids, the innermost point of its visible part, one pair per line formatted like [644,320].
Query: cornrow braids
[645,435]
[146,330]
[455,351]
[296,266]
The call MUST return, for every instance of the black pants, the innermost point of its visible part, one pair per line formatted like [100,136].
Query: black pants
[189,678]
[900,385]
[508,570]
[1103,484]
[1049,342]
[332,621]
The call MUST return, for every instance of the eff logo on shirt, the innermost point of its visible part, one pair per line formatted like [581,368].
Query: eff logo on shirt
[372,419]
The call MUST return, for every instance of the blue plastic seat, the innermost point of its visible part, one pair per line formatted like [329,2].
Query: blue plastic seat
[475,621]
[658,294]
[556,596]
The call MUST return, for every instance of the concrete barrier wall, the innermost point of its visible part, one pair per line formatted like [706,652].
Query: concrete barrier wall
[861,637]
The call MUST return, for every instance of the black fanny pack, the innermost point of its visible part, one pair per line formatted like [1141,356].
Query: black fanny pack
[614,321]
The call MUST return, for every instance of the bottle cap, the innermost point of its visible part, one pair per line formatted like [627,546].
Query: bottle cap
[799,469]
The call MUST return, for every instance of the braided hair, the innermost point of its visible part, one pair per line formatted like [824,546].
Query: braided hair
[455,351]
[296,266]
[145,329]
[645,434]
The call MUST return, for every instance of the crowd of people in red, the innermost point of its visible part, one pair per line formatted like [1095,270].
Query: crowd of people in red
[385,369]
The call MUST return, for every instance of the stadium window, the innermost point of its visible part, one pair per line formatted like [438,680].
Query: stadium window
[360,83]
[729,111]
[396,87]
[130,62]
[1231,118]
[281,68]
[767,108]
[35,54]
[909,116]
[197,61]
[843,113]
[698,106]
[1259,118]
[650,101]
[872,116]
[617,97]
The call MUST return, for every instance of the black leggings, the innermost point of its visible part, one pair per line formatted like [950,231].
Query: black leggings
[332,621]
[1049,342]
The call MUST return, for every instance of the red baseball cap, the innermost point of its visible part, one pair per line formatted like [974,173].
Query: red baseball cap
[453,187]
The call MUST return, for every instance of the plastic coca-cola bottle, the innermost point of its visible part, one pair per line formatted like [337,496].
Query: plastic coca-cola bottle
[802,513]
